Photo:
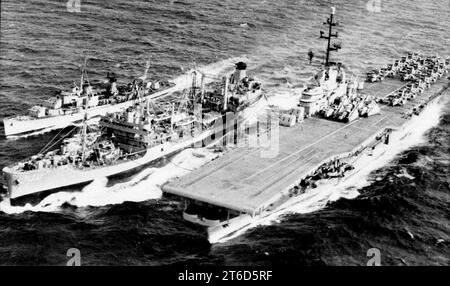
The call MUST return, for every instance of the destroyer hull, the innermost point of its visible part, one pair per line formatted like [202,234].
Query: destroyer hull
[16,127]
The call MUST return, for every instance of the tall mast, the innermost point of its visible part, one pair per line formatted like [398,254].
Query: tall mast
[83,140]
[145,75]
[147,66]
[83,68]
[330,35]
[225,92]
[171,118]
[193,93]
[202,87]
[193,85]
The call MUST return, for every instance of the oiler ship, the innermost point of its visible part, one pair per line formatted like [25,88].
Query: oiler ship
[343,125]
[69,107]
[139,135]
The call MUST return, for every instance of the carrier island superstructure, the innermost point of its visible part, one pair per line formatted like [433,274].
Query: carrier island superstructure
[137,136]
[69,107]
[338,122]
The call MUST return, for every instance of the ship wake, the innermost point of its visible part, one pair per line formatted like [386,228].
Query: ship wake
[348,187]
[143,186]
[90,122]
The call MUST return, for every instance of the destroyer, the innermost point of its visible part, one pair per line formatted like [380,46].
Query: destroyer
[69,107]
[136,136]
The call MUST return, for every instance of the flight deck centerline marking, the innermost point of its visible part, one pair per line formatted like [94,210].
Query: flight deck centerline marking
[386,116]
[270,180]
[220,167]
[293,162]
[304,148]
[263,188]
[363,129]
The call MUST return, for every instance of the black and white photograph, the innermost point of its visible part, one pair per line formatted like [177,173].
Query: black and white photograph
[238,136]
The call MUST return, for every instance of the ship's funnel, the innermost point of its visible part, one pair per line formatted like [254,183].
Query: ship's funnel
[112,88]
[240,72]
[87,89]
[111,77]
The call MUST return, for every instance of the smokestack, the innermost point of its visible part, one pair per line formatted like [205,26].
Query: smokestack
[240,72]
[87,89]
[112,83]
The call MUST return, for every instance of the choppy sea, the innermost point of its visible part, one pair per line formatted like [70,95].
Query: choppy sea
[42,46]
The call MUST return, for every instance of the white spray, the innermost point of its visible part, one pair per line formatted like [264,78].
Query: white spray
[317,199]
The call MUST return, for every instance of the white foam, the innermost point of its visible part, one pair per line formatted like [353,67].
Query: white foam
[92,121]
[212,71]
[143,186]
[286,99]
[282,100]
[348,187]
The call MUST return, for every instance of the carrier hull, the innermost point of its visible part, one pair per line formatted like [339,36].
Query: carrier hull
[277,183]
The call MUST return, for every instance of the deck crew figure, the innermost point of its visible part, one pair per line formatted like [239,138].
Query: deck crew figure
[310,56]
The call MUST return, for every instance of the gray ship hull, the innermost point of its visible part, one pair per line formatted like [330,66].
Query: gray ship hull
[242,181]
[24,183]
[17,126]
[20,184]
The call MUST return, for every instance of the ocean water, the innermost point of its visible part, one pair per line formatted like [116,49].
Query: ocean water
[42,46]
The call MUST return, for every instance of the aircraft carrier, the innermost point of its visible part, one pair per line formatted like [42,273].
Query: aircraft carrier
[243,186]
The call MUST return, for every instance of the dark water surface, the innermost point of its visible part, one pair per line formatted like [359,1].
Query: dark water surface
[42,47]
